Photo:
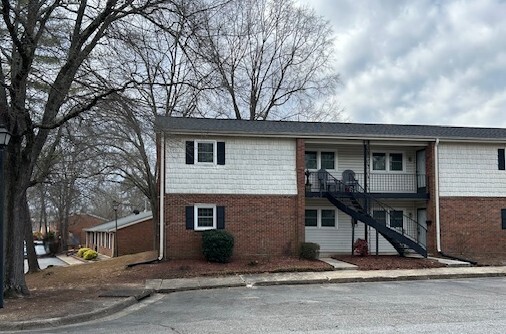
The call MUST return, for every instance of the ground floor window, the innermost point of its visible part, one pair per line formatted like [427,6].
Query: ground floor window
[205,217]
[321,218]
[394,218]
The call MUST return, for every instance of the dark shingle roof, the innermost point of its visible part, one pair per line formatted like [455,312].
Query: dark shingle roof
[122,222]
[179,125]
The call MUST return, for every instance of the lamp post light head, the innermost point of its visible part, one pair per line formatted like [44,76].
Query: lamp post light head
[115,205]
[5,136]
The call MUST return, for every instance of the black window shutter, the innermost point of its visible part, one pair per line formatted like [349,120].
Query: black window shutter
[500,156]
[503,218]
[221,152]
[220,217]
[190,146]
[189,218]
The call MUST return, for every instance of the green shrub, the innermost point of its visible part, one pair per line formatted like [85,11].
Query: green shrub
[81,251]
[217,245]
[90,254]
[309,251]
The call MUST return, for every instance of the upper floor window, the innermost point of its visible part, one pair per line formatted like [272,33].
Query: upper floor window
[311,159]
[382,161]
[207,152]
[328,160]
[320,160]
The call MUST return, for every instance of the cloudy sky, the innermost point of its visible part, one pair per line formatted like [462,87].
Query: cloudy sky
[420,61]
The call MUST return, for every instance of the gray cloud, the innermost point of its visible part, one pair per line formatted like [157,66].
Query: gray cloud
[420,62]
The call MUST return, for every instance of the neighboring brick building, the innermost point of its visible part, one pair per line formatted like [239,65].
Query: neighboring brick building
[134,235]
[273,185]
[77,223]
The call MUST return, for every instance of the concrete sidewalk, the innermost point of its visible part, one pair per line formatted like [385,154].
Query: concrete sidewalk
[343,276]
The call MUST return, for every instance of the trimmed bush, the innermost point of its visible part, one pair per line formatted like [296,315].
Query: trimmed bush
[81,251]
[90,254]
[361,247]
[309,251]
[217,245]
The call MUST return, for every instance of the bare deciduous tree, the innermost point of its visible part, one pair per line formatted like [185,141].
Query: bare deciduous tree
[266,54]
[37,97]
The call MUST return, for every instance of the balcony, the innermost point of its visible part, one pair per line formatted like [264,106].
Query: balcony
[384,184]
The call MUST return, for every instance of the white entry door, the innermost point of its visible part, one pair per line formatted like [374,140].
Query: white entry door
[421,217]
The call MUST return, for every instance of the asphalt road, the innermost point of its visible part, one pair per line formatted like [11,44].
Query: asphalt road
[437,306]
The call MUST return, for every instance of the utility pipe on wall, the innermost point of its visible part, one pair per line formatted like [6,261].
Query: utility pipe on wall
[162,197]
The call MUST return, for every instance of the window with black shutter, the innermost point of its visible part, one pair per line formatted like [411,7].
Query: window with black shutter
[190,152]
[201,217]
[501,159]
[503,218]
[205,152]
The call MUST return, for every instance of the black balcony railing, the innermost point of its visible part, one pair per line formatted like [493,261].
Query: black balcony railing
[380,183]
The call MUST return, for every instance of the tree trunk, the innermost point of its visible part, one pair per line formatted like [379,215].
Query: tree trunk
[33,263]
[18,176]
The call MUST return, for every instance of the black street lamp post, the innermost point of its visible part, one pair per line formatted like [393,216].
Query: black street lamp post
[115,206]
[5,136]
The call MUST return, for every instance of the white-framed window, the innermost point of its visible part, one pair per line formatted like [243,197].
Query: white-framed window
[387,161]
[320,159]
[205,152]
[320,218]
[204,217]
[394,218]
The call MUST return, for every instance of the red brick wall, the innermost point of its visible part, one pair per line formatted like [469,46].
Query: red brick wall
[263,226]
[301,190]
[471,226]
[104,250]
[133,239]
[431,203]
[136,238]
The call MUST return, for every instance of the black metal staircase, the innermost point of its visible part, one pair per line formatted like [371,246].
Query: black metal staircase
[350,198]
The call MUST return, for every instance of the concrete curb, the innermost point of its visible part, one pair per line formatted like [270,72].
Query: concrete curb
[178,285]
[72,319]
[376,279]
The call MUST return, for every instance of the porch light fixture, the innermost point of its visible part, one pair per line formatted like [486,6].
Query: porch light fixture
[5,136]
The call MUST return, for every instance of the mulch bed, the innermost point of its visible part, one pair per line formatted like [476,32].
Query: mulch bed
[387,262]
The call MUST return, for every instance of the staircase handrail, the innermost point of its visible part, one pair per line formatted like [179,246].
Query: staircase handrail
[357,188]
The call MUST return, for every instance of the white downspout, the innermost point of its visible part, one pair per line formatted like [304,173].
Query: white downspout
[162,196]
[436,193]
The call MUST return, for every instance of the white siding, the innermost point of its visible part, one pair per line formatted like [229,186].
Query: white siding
[340,240]
[254,166]
[335,240]
[470,170]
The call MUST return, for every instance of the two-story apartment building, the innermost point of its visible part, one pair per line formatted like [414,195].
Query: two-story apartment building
[275,184]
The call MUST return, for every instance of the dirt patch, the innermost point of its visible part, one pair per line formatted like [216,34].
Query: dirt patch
[387,262]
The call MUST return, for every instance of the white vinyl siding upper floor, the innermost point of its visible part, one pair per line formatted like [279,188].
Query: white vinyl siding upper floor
[253,166]
[470,170]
